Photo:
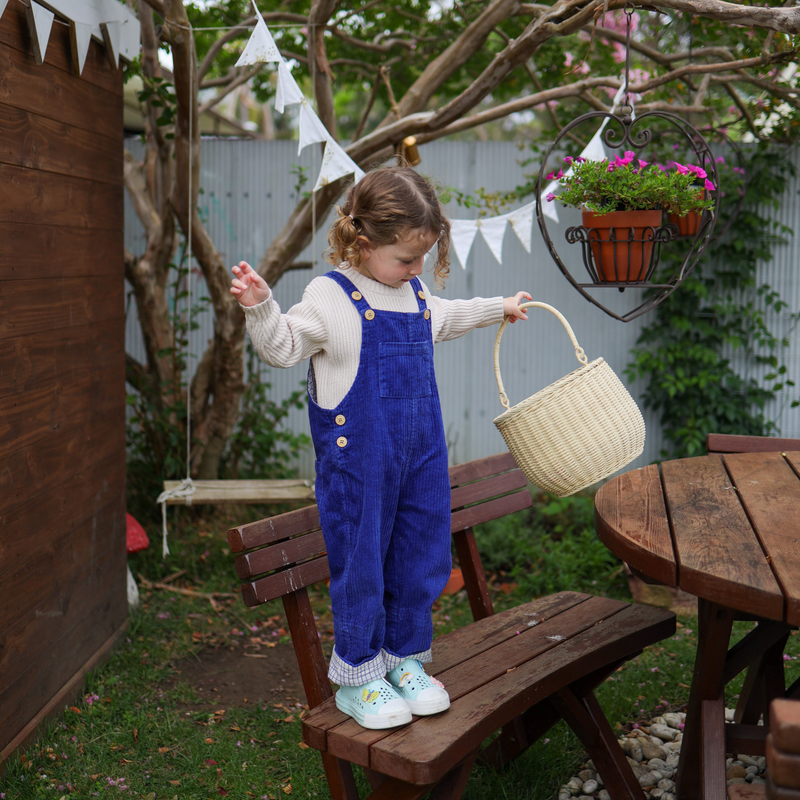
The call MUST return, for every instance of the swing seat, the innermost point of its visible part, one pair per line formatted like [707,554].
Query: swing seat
[290,490]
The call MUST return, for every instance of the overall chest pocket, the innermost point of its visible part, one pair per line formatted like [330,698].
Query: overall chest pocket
[405,369]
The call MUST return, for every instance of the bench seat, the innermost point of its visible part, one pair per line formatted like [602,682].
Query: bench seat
[495,669]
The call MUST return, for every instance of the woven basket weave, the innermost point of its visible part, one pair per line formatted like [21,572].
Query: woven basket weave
[576,431]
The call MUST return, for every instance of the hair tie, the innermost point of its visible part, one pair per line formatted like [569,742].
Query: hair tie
[352,217]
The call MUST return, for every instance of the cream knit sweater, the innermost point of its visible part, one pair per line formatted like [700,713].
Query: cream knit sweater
[326,326]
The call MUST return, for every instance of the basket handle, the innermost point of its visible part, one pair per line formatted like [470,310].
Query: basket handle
[579,354]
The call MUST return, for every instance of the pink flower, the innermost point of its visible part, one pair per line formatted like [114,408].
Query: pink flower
[708,185]
[550,197]
[682,169]
[551,176]
[643,164]
[580,160]
[720,159]
[568,160]
[699,171]
[568,59]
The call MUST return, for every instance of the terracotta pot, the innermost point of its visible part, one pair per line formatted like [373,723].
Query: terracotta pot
[689,224]
[625,256]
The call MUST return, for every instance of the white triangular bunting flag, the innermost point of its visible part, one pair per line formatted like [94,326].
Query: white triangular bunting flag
[549,206]
[493,230]
[594,151]
[311,127]
[80,37]
[335,164]
[111,37]
[521,222]
[462,235]
[261,47]
[40,22]
[3,4]
[288,92]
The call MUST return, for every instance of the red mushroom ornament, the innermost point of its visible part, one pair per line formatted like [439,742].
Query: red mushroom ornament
[136,539]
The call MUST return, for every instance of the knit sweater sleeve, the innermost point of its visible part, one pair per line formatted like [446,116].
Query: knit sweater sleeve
[454,318]
[284,340]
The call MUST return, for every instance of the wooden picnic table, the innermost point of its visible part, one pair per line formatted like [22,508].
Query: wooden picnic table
[727,530]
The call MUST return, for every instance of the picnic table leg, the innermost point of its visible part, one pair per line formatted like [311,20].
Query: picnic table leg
[764,682]
[587,720]
[713,636]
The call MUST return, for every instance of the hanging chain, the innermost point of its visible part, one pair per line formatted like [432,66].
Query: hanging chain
[627,108]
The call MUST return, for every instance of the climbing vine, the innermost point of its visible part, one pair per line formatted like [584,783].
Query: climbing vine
[684,353]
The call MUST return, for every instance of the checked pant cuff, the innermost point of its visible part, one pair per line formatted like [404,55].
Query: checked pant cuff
[393,661]
[344,674]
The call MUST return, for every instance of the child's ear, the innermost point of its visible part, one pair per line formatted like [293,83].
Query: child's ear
[364,246]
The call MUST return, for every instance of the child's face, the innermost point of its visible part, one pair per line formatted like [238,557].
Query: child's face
[397,263]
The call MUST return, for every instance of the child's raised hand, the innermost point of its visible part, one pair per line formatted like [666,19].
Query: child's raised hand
[247,286]
[511,306]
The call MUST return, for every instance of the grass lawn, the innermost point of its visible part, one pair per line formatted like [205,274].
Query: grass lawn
[153,723]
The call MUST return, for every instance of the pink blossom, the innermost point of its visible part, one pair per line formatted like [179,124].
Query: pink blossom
[709,186]
[682,169]
[720,159]
[619,52]
[643,164]
[550,197]
[580,160]
[560,174]
[699,171]
[568,59]
[568,160]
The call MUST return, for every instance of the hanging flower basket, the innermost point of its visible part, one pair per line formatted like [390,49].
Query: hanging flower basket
[620,247]
[689,224]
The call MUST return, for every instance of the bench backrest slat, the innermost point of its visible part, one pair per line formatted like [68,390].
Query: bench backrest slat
[484,512]
[461,496]
[729,443]
[280,555]
[285,582]
[273,529]
[287,552]
[480,468]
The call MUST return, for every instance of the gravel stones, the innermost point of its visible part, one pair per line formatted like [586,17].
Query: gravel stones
[653,751]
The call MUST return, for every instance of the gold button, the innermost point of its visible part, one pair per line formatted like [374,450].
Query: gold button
[369,314]
[427,313]
[421,294]
[340,419]
[356,295]
[341,441]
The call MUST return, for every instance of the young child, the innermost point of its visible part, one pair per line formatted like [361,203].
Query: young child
[382,483]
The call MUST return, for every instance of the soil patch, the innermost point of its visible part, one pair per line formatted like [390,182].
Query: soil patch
[228,678]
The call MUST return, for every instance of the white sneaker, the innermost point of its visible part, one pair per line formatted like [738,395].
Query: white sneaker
[423,693]
[374,705]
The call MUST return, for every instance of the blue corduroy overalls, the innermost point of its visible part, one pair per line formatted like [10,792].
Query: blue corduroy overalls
[383,492]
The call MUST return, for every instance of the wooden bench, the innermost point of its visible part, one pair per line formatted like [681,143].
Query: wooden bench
[520,670]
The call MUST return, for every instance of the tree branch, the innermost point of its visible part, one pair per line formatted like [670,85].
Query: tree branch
[318,17]
[243,78]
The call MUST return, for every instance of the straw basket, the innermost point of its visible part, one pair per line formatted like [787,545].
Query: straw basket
[576,431]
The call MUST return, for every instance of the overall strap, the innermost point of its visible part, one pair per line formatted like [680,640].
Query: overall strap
[419,294]
[350,290]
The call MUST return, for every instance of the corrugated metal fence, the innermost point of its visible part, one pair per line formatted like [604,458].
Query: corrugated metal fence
[249,187]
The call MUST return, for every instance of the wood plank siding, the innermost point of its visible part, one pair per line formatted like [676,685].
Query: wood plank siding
[62,372]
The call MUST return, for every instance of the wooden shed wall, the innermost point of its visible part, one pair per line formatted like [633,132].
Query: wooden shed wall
[62,360]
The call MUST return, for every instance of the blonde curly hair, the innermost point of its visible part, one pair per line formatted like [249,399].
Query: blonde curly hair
[383,207]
